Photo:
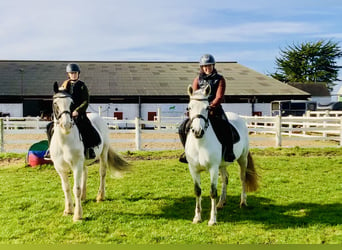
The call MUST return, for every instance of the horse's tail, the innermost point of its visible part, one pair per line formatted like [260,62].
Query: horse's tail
[116,163]
[252,176]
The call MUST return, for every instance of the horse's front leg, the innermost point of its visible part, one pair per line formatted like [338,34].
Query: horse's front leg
[213,194]
[224,180]
[197,188]
[68,207]
[103,171]
[78,173]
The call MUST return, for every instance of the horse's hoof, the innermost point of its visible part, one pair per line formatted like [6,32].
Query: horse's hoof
[212,223]
[99,198]
[243,204]
[196,220]
[220,205]
[67,212]
[77,219]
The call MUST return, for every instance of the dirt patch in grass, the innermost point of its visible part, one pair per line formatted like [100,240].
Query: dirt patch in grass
[4,162]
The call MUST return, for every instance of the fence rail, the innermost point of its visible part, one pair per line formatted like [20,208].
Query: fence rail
[312,128]
[17,134]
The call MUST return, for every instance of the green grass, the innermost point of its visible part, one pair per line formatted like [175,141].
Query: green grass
[300,201]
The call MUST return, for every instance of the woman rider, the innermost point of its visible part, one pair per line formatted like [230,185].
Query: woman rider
[80,95]
[217,117]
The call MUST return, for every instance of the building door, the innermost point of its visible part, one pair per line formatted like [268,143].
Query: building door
[118,115]
[151,115]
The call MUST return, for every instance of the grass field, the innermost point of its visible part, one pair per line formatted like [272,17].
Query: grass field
[300,201]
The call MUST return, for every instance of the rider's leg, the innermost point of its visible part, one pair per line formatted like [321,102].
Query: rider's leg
[49,133]
[223,132]
[228,153]
[86,130]
[182,131]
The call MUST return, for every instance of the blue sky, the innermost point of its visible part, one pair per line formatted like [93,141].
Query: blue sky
[251,32]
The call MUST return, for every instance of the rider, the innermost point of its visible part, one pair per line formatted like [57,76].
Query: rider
[217,117]
[80,96]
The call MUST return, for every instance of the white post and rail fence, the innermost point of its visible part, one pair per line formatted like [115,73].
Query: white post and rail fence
[315,129]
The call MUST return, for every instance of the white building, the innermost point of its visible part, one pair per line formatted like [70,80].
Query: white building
[126,90]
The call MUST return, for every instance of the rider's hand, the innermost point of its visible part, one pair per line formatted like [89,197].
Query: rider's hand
[74,113]
[211,110]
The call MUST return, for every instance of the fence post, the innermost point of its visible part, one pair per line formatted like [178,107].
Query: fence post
[340,131]
[137,133]
[159,117]
[37,122]
[278,130]
[290,126]
[1,135]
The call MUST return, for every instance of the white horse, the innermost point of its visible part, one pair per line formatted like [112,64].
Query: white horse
[67,153]
[204,153]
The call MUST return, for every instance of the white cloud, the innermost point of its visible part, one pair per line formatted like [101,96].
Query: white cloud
[248,31]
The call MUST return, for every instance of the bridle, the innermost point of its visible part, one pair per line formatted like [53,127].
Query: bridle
[200,116]
[59,115]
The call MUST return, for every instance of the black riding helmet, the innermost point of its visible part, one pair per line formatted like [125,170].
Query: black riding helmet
[73,67]
[207,59]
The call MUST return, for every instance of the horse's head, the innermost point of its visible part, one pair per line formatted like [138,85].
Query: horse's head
[62,101]
[198,110]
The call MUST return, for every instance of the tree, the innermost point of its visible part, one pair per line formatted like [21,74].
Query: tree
[309,62]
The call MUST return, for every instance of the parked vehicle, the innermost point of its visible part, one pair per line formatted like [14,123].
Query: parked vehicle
[330,106]
[292,107]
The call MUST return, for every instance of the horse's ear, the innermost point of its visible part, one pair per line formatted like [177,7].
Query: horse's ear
[55,87]
[207,90]
[190,90]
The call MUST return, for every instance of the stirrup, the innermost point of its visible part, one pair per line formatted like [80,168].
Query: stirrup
[47,156]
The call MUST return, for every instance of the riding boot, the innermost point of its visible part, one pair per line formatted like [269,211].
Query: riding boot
[228,153]
[90,136]
[183,131]
[49,133]
[182,158]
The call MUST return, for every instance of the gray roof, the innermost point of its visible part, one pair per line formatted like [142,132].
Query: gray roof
[105,78]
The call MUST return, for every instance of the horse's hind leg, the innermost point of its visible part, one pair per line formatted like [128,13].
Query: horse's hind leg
[103,171]
[84,184]
[224,180]
[243,167]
